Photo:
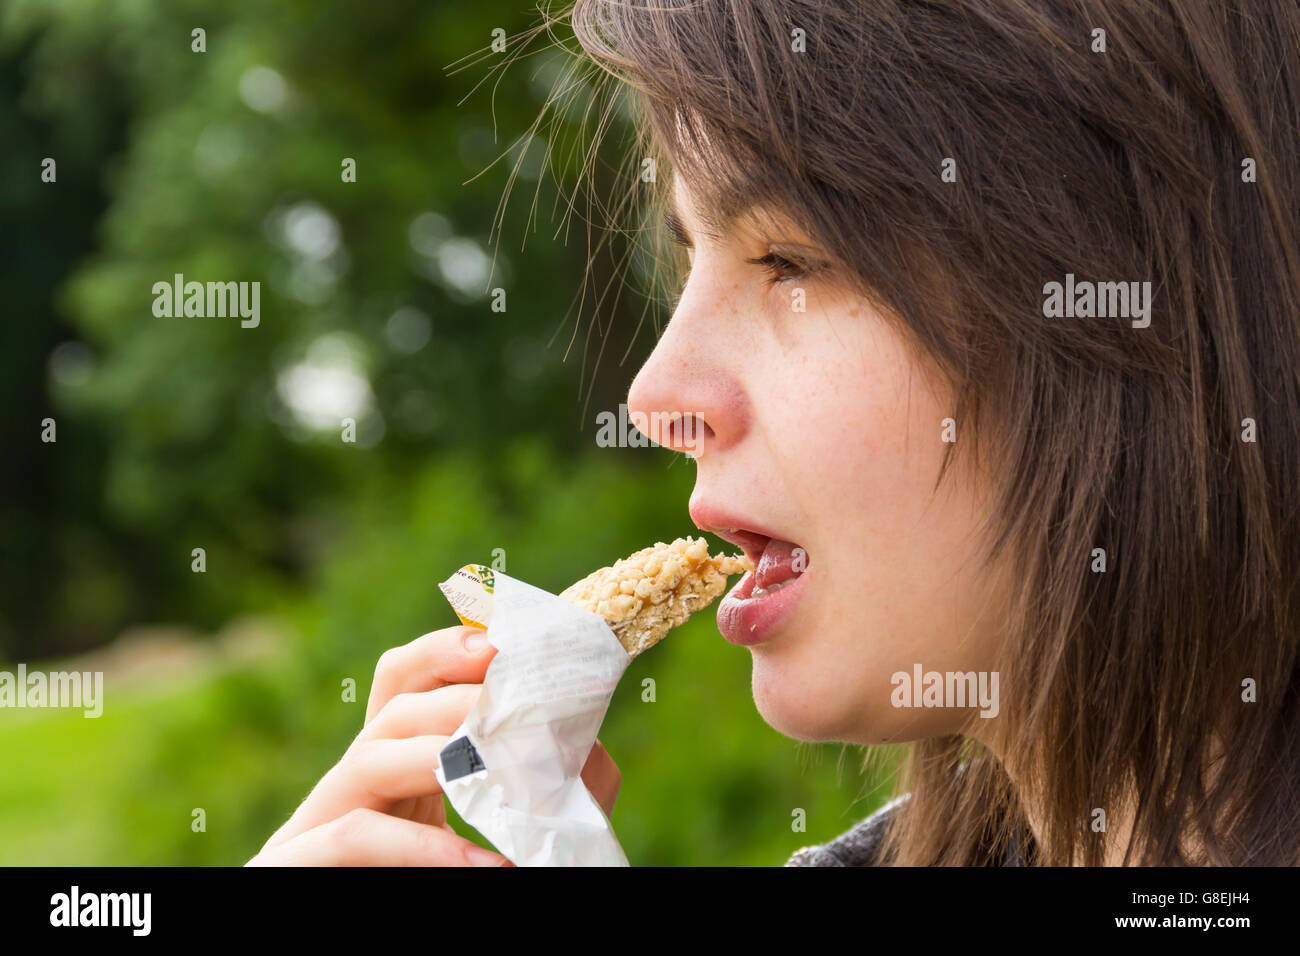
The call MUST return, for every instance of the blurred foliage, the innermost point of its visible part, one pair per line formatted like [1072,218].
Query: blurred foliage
[177,433]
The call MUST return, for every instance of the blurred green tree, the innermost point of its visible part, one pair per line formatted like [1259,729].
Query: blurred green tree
[377,295]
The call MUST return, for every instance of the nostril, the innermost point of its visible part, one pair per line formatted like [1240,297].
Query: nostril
[690,433]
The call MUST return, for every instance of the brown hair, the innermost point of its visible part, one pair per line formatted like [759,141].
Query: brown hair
[1123,165]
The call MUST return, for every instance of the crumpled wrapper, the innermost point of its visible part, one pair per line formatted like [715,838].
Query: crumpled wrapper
[512,769]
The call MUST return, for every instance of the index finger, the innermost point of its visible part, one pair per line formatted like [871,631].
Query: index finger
[430,661]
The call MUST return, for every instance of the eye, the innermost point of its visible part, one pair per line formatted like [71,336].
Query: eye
[783,269]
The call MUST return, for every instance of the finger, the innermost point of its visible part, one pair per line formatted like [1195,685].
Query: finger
[391,770]
[437,711]
[374,775]
[432,660]
[437,815]
[602,777]
[369,838]
[429,809]
[377,774]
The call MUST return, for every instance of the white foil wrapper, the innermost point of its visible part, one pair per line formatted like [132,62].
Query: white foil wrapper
[512,769]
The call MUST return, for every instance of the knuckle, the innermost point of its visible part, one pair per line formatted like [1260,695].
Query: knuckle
[352,826]
[387,663]
[397,705]
[358,757]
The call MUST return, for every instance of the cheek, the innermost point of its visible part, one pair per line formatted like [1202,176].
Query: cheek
[867,435]
[897,583]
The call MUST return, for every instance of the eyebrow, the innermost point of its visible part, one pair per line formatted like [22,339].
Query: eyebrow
[798,251]
[676,227]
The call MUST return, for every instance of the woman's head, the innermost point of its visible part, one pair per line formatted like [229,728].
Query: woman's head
[1099,502]
[817,426]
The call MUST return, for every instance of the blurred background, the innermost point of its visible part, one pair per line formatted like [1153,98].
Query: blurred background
[475,429]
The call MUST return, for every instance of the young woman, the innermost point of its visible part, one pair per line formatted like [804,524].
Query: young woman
[991,327]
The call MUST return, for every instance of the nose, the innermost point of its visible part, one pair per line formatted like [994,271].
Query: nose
[688,395]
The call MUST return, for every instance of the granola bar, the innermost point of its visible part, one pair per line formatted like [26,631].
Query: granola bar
[647,594]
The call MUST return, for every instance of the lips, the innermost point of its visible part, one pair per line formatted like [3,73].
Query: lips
[752,543]
[764,598]
[775,560]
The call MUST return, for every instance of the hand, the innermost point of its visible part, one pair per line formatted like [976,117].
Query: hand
[381,804]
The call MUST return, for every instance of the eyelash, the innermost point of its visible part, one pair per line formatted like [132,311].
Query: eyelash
[776,264]
[773,262]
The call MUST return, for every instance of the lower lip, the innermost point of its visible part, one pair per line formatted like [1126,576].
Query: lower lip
[747,620]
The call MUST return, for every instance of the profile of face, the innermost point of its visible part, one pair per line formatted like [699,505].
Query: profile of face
[818,442]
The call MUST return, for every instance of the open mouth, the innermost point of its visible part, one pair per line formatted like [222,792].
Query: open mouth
[777,563]
[764,605]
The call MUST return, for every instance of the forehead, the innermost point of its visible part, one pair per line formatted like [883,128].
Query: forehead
[717,219]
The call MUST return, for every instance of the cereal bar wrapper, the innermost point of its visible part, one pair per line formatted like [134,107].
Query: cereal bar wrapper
[512,769]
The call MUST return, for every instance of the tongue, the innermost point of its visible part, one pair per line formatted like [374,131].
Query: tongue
[777,563]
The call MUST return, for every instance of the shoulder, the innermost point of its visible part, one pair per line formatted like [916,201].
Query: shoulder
[859,846]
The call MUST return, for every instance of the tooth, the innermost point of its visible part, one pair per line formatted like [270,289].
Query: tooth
[762,592]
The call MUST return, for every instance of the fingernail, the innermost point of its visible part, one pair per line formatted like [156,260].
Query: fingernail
[475,641]
[478,856]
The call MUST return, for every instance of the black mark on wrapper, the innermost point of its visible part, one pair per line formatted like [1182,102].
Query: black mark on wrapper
[460,759]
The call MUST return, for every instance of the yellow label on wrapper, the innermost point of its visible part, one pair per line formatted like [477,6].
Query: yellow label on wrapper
[469,592]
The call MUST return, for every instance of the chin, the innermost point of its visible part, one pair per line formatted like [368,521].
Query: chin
[819,709]
[800,709]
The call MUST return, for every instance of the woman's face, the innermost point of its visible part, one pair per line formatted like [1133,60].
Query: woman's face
[820,440]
